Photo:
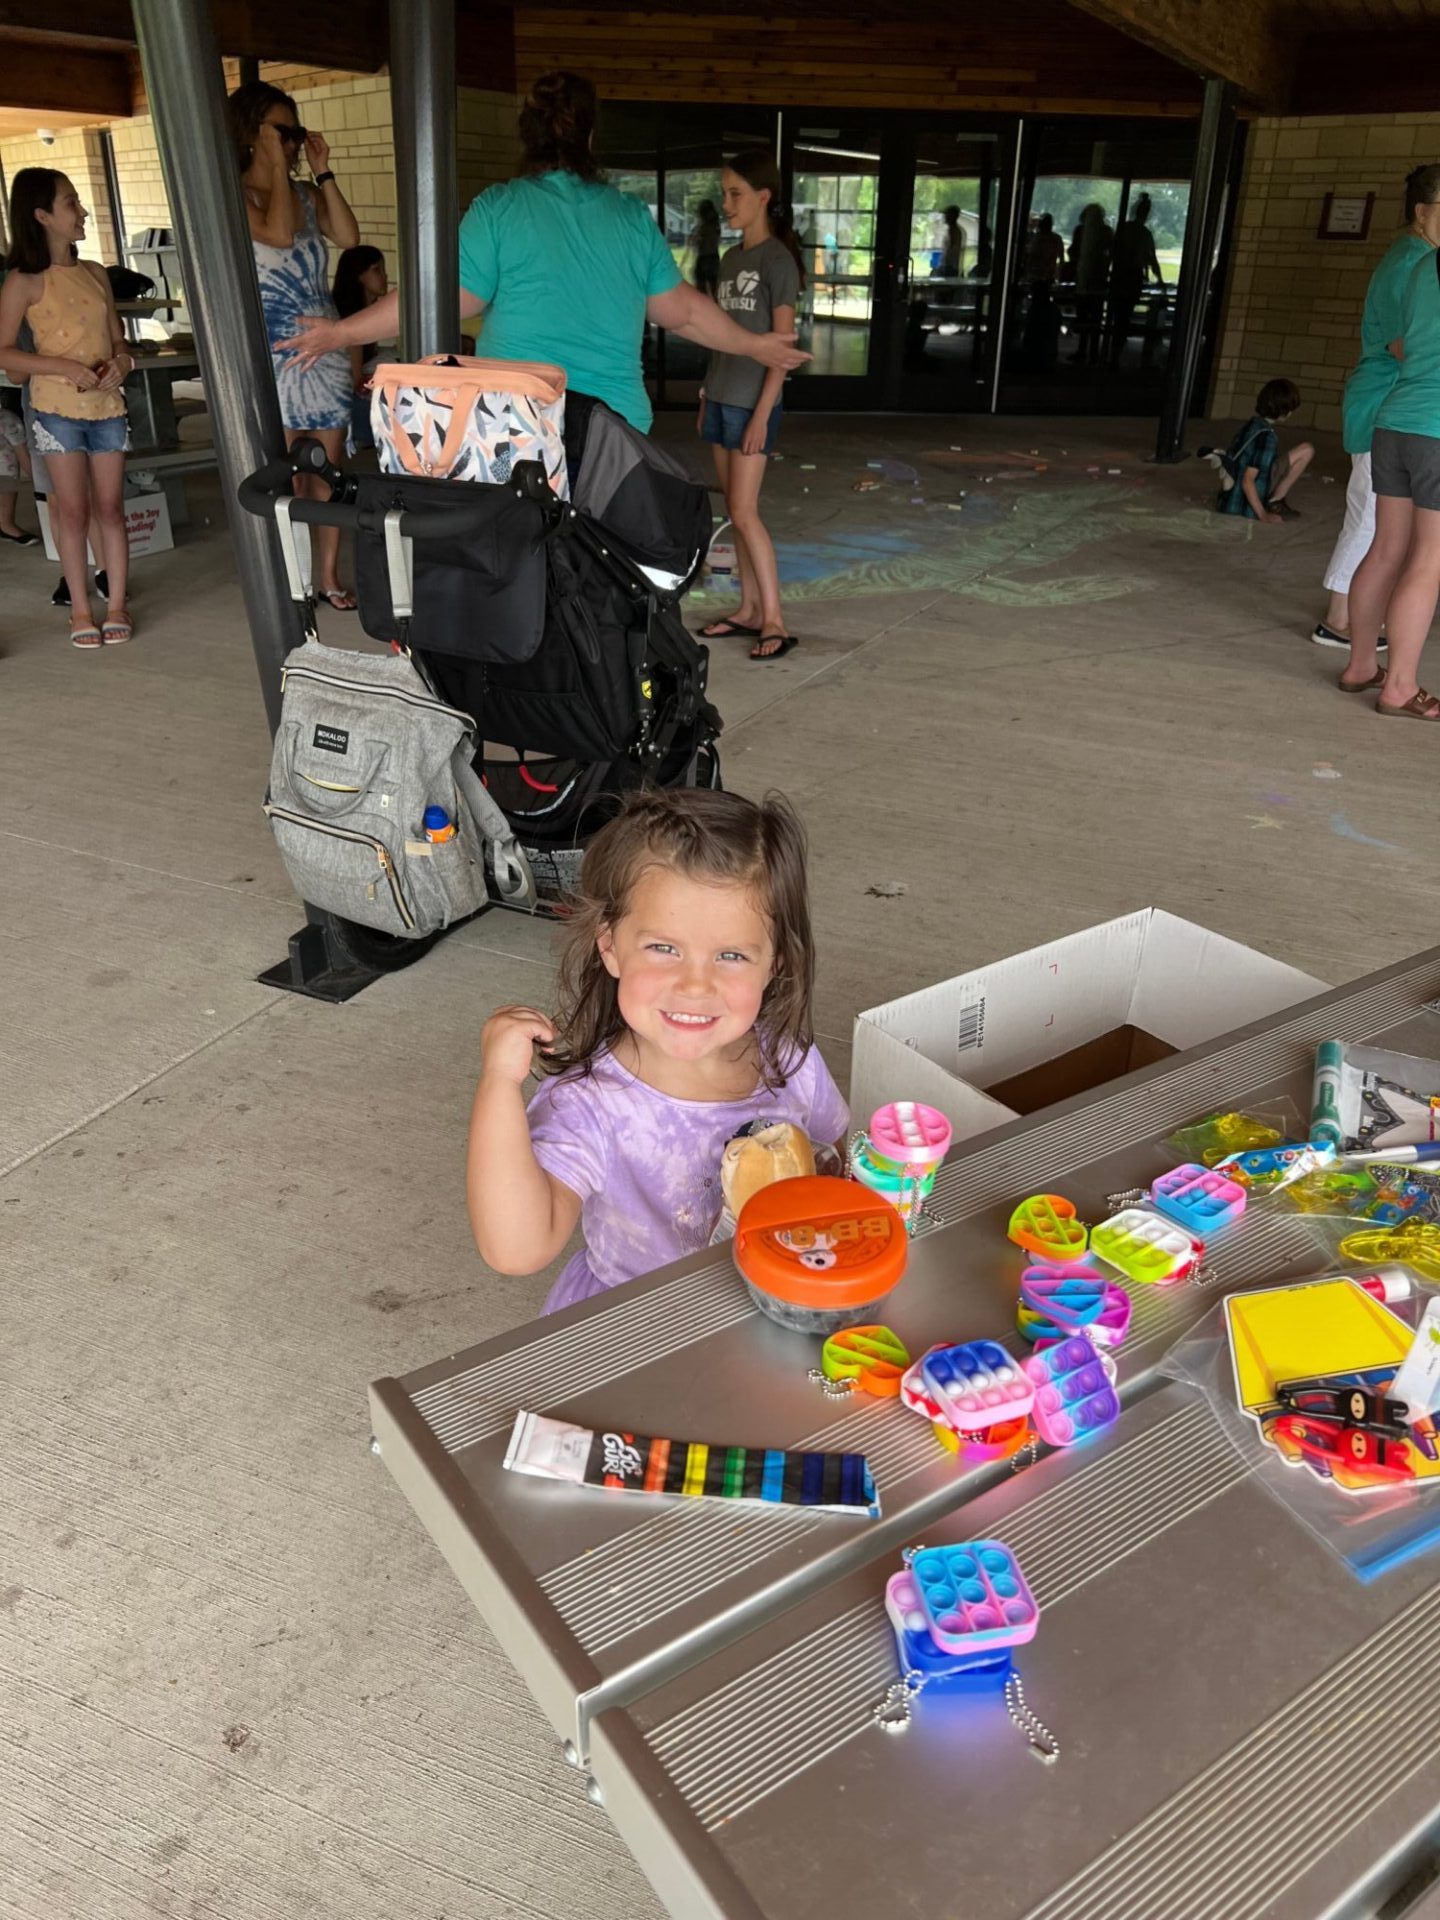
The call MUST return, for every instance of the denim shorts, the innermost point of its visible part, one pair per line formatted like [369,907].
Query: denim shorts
[57,433]
[725,426]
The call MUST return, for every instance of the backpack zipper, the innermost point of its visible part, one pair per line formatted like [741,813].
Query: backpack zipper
[387,866]
[329,786]
[383,693]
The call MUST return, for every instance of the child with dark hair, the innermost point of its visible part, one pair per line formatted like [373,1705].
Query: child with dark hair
[76,366]
[684,1016]
[360,280]
[1255,477]
[760,282]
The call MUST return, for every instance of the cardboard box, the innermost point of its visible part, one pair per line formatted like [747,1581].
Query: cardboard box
[147,521]
[1063,1019]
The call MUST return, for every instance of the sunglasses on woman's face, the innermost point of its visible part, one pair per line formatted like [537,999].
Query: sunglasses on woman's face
[294,134]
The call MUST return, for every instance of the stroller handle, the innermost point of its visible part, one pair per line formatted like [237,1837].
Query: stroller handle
[259,491]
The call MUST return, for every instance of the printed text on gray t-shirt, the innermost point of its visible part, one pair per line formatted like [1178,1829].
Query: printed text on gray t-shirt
[753,282]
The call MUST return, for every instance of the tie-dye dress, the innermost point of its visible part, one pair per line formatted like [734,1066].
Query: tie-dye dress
[294,286]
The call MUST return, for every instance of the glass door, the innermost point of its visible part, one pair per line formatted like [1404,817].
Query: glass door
[954,198]
[838,204]
[1093,279]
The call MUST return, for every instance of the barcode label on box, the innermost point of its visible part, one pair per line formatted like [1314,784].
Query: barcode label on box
[970,1032]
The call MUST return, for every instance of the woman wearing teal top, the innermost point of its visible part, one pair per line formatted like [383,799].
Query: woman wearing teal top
[1367,387]
[1398,582]
[567,269]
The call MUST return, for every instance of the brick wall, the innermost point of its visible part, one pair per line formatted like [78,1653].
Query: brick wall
[1293,301]
[352,110]
[76,152]
[488,145]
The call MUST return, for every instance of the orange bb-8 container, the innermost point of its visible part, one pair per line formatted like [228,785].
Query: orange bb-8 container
[818,1254]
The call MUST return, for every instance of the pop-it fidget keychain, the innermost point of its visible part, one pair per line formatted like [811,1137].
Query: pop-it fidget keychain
[956,1612]
[1197,1198]
[1045,1226]
[1146,1248]
[1074,1397]
[974,1596]
[975,1384]
[861,1360]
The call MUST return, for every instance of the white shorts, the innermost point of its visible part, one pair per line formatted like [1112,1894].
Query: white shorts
[1359,528]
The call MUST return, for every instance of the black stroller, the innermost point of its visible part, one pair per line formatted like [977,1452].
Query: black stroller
[563,638]
[555,625]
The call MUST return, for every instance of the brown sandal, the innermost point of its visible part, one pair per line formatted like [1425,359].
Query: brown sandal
[1377,679]
[1420,706]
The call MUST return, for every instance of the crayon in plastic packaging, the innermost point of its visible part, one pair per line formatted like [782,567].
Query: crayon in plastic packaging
[641,1463]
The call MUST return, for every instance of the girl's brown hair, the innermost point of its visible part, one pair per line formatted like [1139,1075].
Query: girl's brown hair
[33,190]
[756,167]
[246,108]
[717,838]
[557,123]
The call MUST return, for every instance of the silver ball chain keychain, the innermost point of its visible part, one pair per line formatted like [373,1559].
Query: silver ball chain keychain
[894,1711]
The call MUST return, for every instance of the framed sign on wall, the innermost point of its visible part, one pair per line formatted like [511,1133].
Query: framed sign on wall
[1346,216]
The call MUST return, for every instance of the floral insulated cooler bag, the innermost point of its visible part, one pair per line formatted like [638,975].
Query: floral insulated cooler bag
[451,419]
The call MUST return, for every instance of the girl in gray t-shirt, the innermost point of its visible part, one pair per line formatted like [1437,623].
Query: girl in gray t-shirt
[760,281]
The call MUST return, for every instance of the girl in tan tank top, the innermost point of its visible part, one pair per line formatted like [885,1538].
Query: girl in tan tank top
[76,371]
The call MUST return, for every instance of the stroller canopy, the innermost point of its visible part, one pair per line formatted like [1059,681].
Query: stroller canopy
[639,495]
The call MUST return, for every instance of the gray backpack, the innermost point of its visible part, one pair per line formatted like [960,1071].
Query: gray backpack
[363,748]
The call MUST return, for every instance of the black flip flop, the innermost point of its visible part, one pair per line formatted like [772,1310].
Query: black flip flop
[728,630]
[787,641]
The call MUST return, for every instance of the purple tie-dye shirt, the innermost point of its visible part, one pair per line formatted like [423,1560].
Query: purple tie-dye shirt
[647,1166]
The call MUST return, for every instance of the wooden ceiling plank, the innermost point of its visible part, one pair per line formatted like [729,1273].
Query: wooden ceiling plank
[84,81]
[1240,43]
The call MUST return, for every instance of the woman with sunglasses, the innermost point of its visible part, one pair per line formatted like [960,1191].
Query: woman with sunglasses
[290,221]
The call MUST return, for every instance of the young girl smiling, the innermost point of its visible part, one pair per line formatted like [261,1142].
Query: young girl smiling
[685,996]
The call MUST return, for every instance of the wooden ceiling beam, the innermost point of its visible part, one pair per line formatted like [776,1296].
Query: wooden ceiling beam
[1242,43]
[350,34]
[1363,72]
[84,81]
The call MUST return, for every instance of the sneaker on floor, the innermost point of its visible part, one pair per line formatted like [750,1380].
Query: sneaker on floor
[61,596]
[1324,636]
[21,539]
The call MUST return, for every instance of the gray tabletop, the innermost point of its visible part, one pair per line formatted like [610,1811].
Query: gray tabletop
[598,1599]
[1246,1731]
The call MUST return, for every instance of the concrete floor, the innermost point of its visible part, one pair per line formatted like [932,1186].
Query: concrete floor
[235,1678]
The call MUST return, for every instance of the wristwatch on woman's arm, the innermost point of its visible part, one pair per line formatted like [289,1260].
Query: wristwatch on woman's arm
[321,178]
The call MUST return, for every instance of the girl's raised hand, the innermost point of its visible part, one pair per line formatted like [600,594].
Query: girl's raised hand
[507,1044]
[317,152]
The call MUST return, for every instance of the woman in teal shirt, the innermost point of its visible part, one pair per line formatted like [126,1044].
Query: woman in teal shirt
[1398,582]
[1365,390]
[567,269]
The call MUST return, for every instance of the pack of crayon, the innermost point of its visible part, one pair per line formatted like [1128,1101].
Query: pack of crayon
[640,1463]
